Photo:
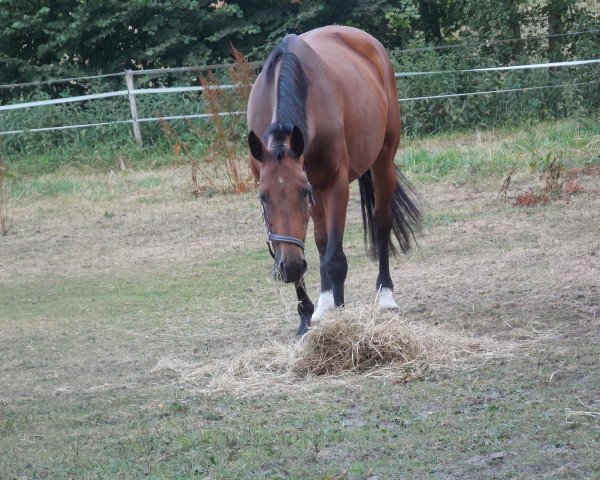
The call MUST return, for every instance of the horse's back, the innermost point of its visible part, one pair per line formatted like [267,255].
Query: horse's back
[364,77]
[354,54]
[329,41]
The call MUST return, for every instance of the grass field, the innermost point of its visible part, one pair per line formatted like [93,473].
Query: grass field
[117,286]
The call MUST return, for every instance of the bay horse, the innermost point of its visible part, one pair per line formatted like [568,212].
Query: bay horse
[322,113]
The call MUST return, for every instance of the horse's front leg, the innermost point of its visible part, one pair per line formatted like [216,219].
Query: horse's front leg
[325,302]
[305,307]
[329,223]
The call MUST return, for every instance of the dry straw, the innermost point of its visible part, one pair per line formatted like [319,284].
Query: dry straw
[355,342]
[346,346]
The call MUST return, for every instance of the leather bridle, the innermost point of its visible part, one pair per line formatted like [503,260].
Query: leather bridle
[274,237]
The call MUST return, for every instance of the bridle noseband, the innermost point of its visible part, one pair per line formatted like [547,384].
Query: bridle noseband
[274,237]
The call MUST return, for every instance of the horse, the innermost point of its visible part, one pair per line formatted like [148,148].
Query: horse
[322,113]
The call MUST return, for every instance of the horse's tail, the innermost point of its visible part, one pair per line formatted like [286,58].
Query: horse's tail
[406,218]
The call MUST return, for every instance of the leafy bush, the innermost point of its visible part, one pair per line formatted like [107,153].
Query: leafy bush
[105,146]
[580,95]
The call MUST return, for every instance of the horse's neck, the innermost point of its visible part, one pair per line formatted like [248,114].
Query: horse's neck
[320,90]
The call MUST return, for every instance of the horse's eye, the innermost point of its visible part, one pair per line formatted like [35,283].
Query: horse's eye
[263,197]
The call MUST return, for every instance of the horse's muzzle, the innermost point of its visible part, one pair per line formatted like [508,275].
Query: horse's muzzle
[289,268]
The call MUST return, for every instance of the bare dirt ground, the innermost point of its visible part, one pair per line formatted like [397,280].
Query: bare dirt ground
[103,284]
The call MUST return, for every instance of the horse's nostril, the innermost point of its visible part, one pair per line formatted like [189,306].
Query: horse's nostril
[304,266]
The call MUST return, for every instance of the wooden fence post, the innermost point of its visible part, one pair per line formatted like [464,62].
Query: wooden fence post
[133,104]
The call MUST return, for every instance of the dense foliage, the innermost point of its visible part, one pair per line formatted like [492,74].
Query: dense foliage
[41,39]
[46,39]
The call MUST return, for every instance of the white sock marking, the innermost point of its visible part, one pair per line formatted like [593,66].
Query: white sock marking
[324,305]
[386,299]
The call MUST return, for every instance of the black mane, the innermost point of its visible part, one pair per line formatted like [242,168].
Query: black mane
[292,91]
[280,132]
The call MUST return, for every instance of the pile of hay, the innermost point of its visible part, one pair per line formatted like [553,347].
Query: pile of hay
[356,341]
[349,343]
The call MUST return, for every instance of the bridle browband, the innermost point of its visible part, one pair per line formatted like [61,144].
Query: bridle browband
[274,237]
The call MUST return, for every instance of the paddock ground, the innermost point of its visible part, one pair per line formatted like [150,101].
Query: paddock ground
[106,276]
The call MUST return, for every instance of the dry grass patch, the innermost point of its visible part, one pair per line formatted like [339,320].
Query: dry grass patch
[344,348]
[121,221]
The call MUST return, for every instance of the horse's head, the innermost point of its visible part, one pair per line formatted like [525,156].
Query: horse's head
[286,198]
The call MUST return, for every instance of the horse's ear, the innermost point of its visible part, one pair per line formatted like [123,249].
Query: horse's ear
[257,148]
[297,141]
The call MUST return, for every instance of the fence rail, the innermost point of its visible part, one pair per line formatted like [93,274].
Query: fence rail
[132,92]
[166,70]
[532,66]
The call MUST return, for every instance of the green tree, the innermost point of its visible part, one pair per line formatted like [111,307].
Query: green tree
[51,38]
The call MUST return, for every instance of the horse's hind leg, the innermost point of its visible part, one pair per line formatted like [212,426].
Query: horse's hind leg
[383,173]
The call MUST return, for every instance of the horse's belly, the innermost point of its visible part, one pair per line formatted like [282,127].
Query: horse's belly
[365,128]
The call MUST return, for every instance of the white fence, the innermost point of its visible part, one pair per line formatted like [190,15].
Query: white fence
[131,92]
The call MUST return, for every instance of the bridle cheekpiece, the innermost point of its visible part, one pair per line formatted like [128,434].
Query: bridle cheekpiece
[274,237]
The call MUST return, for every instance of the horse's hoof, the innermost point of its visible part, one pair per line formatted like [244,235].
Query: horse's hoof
[302,329]
[394,310]
[386,300]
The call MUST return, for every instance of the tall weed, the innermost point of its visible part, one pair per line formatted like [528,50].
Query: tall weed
[223,136]
[229,131]
[5,218]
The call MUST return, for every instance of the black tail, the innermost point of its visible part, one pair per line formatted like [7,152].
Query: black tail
[405,213]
